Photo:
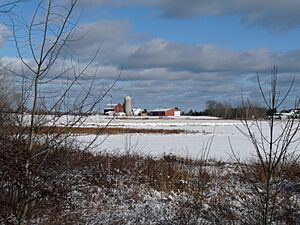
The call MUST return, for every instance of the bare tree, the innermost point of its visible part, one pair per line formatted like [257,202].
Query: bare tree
[54,86]
[7,6]
[270,174]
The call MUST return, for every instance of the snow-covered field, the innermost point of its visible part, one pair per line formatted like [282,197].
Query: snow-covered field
[200,130]
[129,189]
[186,144]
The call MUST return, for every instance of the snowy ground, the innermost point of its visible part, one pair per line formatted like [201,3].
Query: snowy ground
[200,130]
[129,189]
[192,144]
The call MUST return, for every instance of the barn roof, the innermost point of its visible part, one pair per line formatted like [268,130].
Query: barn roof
[162,110]
[111,106]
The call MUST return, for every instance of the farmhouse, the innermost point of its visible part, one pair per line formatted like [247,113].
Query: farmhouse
[165,112]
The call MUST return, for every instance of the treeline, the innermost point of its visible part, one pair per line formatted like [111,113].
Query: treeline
[228,111]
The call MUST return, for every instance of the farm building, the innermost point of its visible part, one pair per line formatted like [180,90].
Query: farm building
[165,112]
[111,109]
[137,112]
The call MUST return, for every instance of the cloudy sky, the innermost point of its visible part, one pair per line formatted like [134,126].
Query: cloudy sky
[179,53]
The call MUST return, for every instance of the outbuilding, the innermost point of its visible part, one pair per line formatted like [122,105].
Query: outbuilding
[111,109]
[119,108]
[165,112]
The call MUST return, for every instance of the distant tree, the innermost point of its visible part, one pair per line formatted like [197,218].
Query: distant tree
[227,111]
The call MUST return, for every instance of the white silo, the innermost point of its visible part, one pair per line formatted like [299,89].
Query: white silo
[128,106]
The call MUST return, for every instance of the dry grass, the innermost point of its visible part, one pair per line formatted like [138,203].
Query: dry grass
[168,173]
[200,183]
[98,131]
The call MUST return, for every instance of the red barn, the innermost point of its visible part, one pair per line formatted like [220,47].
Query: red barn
[119,108]
[111,109]
[165,112]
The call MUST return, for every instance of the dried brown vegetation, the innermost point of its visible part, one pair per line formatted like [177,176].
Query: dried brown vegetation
[93,130]
[67,170]
[81,187]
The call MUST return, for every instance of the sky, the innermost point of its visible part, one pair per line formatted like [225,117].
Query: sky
[179,53]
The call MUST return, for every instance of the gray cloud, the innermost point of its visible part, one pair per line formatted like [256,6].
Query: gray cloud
[119,3]
[159,73]
[120,45]
[162,87]
[3,34]
[106,34]
[272,14]
[197,58]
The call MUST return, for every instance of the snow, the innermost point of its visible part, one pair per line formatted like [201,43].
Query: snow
[118,197]
[227,135]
